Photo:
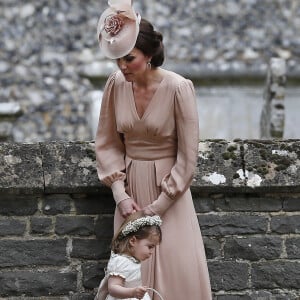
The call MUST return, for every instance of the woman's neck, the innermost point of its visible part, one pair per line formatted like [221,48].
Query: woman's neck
[149,78]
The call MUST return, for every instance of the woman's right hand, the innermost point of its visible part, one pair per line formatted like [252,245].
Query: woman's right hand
[127,207]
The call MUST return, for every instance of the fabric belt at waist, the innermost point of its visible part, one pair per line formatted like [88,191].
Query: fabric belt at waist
[150,151]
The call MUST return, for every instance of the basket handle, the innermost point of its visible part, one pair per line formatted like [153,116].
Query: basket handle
[155,291]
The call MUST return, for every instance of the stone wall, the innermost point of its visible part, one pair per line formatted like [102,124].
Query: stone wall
[56,219]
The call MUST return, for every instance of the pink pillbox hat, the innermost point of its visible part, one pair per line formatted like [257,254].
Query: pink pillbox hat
[118,28]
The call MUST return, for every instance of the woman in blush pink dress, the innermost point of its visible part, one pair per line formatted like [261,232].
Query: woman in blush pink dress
[146,150]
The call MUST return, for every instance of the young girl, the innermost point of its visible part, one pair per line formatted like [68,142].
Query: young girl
[134,242]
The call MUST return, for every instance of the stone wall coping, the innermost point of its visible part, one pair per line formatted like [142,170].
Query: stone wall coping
[195,71]
[250,166]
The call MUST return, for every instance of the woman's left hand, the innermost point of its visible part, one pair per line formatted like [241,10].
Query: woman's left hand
[148,212]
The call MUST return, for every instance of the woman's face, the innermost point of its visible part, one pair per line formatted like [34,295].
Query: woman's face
[133,65]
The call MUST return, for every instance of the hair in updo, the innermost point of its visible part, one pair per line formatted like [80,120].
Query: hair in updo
[150,42]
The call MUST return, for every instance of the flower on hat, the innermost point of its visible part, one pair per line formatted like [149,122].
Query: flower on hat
[135,225]
[118,28]
[113,24]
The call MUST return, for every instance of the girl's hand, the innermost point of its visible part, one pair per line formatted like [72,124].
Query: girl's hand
[139,292]
[127,207]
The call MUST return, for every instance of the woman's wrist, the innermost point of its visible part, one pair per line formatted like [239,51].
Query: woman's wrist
[118,191]
[161,204]
[120,201]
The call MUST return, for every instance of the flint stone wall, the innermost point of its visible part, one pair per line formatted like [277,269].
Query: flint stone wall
[49,55]
[56,219]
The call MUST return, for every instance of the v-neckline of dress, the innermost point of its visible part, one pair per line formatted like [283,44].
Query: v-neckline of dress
[146,112]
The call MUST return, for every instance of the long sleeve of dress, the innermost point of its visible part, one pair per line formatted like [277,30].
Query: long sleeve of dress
[109,147]
[186,117]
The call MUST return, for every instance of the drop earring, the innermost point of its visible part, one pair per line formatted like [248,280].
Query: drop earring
[149,64]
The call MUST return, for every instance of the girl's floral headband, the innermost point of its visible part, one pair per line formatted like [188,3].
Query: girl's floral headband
[135,225]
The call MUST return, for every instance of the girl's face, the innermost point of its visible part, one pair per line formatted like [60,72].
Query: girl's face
[133,65]
[144,248]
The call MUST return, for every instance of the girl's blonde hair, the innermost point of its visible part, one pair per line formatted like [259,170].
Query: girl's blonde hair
[120,243]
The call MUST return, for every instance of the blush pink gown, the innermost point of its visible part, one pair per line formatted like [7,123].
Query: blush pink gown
[152,159]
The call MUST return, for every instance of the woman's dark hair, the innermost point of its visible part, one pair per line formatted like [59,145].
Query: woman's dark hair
[150,42]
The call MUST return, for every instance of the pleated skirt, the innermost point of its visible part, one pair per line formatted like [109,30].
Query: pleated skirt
[178,268]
